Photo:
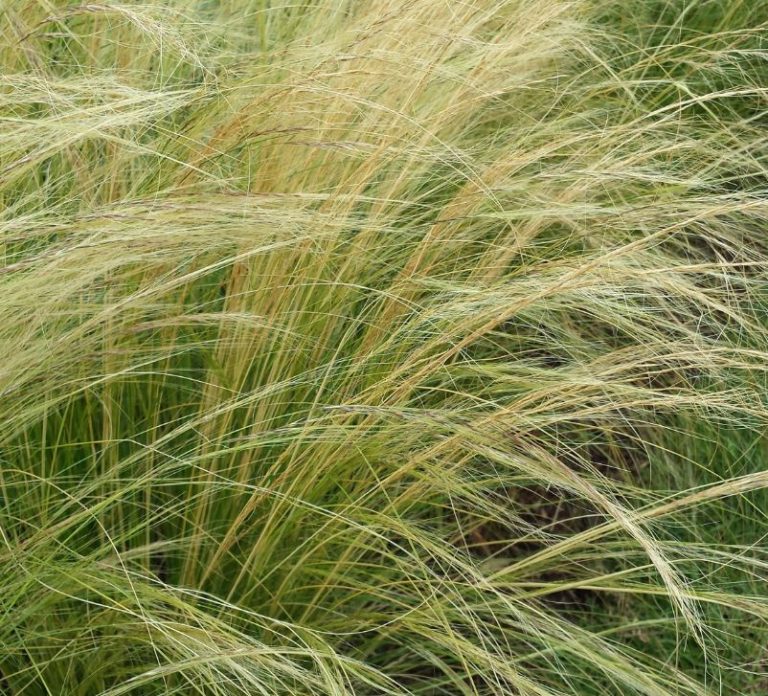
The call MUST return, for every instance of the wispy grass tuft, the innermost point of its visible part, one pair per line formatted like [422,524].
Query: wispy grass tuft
[363,347]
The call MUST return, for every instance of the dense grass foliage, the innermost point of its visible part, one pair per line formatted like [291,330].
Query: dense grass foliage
[383,347]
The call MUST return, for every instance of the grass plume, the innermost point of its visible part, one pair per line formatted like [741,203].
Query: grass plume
[364,347]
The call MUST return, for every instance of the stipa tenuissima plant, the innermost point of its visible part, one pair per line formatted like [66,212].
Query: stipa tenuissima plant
[365,347]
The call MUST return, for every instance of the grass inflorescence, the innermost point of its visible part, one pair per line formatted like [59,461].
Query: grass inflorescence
[383,347]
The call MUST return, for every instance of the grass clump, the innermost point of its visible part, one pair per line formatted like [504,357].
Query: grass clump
[383,347]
